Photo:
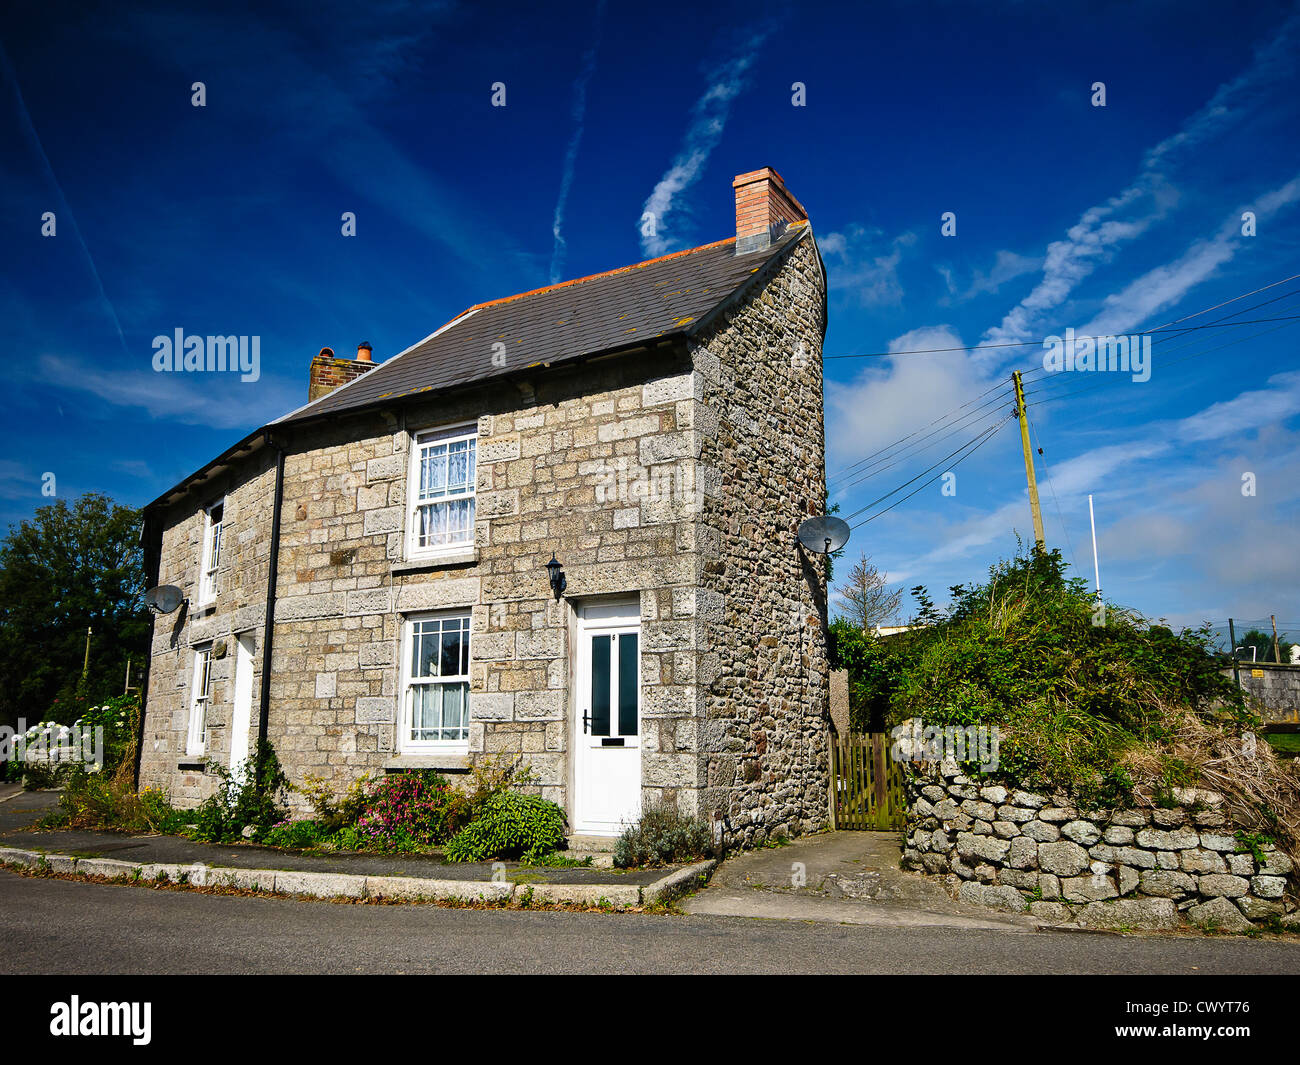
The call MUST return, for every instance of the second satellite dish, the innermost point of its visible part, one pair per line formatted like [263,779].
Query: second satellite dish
[824,534]
[164,599]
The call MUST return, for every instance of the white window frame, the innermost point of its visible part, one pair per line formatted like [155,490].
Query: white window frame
[421,439]
[196,740]
[210,555]
[406,744]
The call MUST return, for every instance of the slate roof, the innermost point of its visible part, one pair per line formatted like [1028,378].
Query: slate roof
[672,296]
[628,307]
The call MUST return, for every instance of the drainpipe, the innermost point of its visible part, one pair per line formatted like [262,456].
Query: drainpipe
[263,720]
[148,528]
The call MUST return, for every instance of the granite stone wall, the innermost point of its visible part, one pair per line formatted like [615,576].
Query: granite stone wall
[674,475]
[765,712]
[1145,868]
[239,609]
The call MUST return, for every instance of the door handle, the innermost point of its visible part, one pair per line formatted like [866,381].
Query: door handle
[586,722]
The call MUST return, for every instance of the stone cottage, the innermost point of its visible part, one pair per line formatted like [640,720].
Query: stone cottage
[366,579]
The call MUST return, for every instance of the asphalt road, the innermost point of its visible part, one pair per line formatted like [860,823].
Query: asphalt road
[70,927]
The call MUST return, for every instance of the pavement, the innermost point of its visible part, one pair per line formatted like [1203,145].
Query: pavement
[837,877]
[840,878]
[251,867]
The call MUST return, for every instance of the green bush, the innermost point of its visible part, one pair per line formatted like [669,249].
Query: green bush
[347,838]
[872,665]
[411,811]
[254,800]
[119,718]
[336,813]
[507,825]
[98,802]
[663,836]
[296,835]
[46,776]
[1071,686]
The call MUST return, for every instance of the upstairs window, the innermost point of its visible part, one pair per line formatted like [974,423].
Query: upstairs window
[211,554]
[440,508]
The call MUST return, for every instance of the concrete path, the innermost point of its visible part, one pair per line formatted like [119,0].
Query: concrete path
[841,878]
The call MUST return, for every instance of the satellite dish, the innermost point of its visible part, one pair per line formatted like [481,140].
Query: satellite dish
[824,535]
[164,599]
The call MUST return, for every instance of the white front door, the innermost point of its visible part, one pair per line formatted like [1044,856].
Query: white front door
[607,725]
[243,712]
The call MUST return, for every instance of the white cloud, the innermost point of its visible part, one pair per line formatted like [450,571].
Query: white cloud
[575,141]
[860,263]
[899,398]
[1191,508]
[17,481]
[1165,285]
[1245,412]
[1007,266]
[1104,228]
[211,399]
[708,120]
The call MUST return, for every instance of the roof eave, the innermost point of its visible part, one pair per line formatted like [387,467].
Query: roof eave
[760,276]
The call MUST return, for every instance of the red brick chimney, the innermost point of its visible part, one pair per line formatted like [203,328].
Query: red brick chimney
[328,371]
[764,207]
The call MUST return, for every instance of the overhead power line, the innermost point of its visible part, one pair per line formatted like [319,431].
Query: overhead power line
[859,473]
[984,435]
[1048,396]
[978,442]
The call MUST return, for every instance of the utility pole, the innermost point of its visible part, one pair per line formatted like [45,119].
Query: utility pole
[1232,641]
[1029,461]
[1096,567]
[1277,650]
[85,666]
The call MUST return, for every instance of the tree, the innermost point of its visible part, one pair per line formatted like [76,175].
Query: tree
[872,672]
[67,569]
[868,602]
[1263,644]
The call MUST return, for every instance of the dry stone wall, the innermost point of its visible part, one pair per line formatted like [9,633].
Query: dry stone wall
[1144,868]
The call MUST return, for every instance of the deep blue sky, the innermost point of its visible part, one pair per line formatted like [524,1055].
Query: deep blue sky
[226,219]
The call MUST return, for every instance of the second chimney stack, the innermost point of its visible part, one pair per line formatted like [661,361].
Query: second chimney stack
[764,207]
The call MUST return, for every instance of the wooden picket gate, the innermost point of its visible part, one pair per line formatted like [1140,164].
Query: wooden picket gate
[867,784]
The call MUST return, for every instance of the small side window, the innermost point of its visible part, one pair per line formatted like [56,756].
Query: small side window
[213,518]
[196,742]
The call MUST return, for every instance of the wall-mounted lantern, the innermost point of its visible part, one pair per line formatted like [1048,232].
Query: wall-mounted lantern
[555,570]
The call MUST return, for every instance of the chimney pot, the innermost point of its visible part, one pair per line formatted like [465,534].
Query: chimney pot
[328,371]
[764,208]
